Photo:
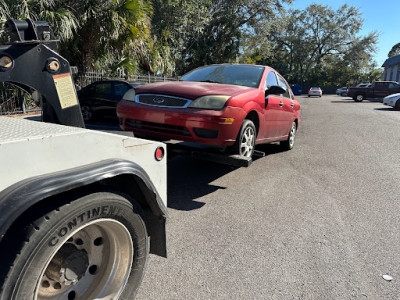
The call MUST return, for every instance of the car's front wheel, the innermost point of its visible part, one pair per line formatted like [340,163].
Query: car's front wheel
[87,113]
[246,140]
[397,105]
[94,247]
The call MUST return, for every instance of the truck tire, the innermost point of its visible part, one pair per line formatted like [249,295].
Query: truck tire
[289,143]
[359,98]
[94,247]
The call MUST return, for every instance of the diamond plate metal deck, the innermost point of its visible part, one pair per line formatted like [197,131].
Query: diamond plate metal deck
[15,129]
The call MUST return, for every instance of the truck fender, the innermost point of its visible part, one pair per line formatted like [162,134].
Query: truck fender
[22,195]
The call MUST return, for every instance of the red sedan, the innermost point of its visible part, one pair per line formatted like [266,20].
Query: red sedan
[230,106]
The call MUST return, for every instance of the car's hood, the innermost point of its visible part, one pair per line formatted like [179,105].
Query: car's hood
[191,90]
[393,95]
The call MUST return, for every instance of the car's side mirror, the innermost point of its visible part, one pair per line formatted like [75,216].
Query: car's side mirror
[275,90]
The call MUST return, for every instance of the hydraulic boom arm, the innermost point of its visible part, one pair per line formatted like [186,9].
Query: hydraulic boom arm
[31,61]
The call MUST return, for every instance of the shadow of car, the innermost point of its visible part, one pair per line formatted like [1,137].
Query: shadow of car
[99,100]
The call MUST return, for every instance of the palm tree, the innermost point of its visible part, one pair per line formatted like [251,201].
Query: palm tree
[62,20]
[111,34]
[95,34]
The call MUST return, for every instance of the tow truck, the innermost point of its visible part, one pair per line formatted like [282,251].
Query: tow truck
[80,209]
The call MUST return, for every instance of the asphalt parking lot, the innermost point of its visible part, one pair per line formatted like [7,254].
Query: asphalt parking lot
[318,222]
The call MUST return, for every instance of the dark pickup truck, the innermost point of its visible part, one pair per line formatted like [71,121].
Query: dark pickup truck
[379,89]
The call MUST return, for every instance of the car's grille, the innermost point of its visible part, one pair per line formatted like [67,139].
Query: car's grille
[162,100]
[158,127]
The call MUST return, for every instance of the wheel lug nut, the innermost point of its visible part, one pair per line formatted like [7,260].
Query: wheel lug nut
[45,284]
[57,286]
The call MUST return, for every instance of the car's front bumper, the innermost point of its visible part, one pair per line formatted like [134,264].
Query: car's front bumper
[219,128]
[390,101]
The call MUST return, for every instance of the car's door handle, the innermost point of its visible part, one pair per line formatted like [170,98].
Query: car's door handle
[281,104]
[292,104]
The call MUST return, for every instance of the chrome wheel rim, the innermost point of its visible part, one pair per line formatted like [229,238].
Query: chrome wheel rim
[360,97]
[292,135]
[247,142]
[93,262]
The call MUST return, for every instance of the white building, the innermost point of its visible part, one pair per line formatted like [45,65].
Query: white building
[391,69]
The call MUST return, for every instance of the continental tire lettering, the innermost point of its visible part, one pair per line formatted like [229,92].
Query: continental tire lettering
[63,231]
[104,210]
[53,241]
[112,210]
[95,211]
[80,219]
[72,224]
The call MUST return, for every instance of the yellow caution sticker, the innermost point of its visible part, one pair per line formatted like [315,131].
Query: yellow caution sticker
[65,90]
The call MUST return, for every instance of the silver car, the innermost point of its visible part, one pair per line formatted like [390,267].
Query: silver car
[393,100]
[315,91]
[341,91]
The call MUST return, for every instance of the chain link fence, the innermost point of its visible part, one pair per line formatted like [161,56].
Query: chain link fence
[84,79]
[13,100]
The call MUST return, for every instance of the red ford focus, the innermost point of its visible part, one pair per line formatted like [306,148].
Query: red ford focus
[229,105]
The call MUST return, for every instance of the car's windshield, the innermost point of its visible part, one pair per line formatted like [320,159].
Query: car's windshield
[244,75]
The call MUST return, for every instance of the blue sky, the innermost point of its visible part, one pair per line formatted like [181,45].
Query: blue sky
[382,16]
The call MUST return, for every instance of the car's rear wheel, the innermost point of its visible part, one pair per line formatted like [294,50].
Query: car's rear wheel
[246,140]
[289,143]
[94,247]
[359,98]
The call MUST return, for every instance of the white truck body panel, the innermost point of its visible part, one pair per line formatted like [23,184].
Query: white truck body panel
[42,148]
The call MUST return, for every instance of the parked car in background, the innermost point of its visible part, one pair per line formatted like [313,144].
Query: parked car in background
[315,91]
[341,91]
[296,89]
[99,99]
[378,89]
[364,85]
[393,100]
[230,106]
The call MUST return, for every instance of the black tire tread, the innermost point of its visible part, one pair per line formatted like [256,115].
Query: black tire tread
[31,230]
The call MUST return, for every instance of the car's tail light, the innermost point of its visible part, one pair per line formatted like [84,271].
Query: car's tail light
[159,154]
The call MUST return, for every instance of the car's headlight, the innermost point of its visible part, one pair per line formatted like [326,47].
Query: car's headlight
[129,95]
[210,102]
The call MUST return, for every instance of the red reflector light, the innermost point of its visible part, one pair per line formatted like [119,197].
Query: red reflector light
[159,155]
